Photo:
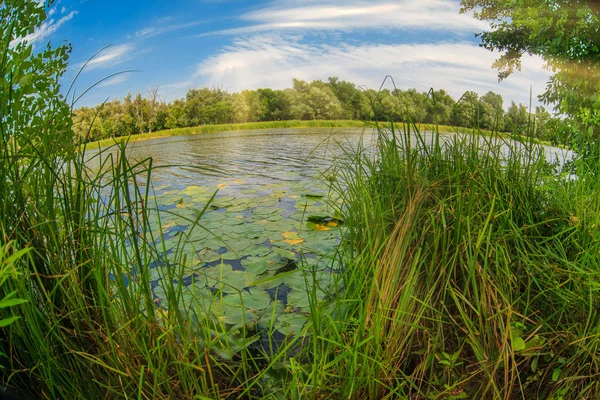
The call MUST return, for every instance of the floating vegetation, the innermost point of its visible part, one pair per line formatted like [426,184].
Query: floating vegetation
[244,246]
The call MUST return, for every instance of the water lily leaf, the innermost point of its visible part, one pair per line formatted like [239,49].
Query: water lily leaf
[207,255]
[258,267]
[239,245]
[215,274]
[223,201]
[289,324]
[236,281]
[273,279]
[155,273]
[315,264]
[185,204]
[167,200]
[273,260]
[197,296]
[252,231]
[253,299]
[197,235]
[232,221]
[274,217]
[238,208]
[298,298]
[292,238]
[257,250]
[284,253]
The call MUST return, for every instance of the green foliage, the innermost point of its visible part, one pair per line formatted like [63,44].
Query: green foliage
[306,101]
[470,275]
[565,34]
[517,118]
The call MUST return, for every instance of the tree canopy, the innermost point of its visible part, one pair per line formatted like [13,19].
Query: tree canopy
[566,34]
[317,100]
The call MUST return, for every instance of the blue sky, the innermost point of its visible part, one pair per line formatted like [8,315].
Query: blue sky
[243,44]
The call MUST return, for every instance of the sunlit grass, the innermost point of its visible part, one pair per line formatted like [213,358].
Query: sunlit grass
[470,274]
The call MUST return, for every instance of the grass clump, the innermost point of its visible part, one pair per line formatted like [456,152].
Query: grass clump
[473,272]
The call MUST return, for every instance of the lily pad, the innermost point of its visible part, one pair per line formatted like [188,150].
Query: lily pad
[215,274]
[208,255]
[236,281]
[253,299]
[289,324]
[258,267]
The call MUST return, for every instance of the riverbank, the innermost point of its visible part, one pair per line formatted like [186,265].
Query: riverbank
[196,130]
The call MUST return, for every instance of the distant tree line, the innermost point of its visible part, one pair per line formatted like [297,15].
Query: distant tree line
[316,100]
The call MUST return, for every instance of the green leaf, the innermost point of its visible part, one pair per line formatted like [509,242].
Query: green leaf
[11,302]
[253,299]
[291,323]
[518,344]
[7,321]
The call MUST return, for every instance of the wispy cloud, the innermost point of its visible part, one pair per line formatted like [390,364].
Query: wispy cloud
[110,57]
[151,31]
[116,80]
[272,60]
[358,14]
[145,32]
[46,29]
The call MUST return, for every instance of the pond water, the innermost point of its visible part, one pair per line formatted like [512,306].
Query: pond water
[268,235]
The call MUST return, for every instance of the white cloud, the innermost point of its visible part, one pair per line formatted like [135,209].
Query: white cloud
[115,80]
[144,32]
[272,60]
[358,14]
[159,30]
[45,30]
[110,56]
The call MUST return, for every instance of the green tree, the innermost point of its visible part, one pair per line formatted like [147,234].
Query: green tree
[176,115]
[566,34]
[314,100]
[542,124]
[466,111]
[517,119]
[207,106]
[441,113]
[349,97]
[273,104]
[492,111]
[240,109]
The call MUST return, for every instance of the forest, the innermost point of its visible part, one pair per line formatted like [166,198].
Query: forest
[317,100]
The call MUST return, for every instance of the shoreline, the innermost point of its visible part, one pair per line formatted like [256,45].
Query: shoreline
[292,124]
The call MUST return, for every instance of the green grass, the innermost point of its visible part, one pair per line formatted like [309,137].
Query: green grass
[273,125]
[470,275]
[466,274]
